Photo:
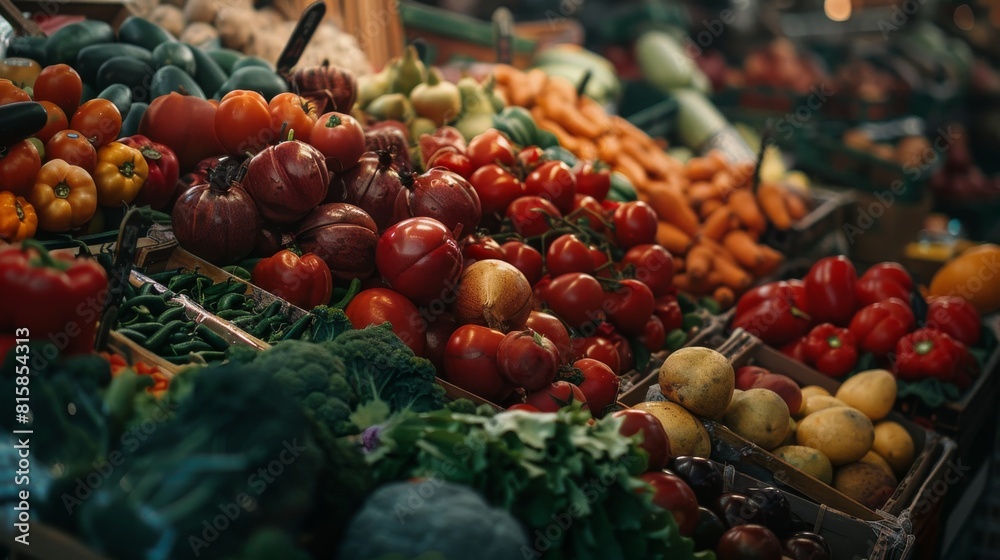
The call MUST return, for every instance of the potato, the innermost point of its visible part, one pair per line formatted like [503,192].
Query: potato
[686,433]
[864,483]
[895,445]
[759,415]
[168,17]
[235,26]
[807,460]
[877,460]
[841,433]
[817,403]
[699,379]
[873,392]
[790,434]
[813,391]
[198,33]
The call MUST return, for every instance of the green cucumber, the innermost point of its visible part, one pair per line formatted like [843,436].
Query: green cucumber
[87,94]
[207,73]
[130,124]
[254,78]
[26,46]
[246,61]
[90,59]
[175,54]
[225,58]
[135,74]
[20,120]
[120,95]
[171,78]
[144,33]
[65,44]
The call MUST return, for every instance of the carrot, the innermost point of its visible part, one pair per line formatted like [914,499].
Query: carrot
[716,249]
[634,149]
[595,112]
[743,173]
[725,273]
[608,148]
[505,74]
[535,83]
[700,192]
[671,206]
[678,263]
[718,224]
[672,238]
[701,168]
[773,204]
[566,140]
[587,149]
[723,183]
[699,262]
[724,296]
[684,283]
[623,127]
[709,206]
[796,204]
[720,159]
[770,261]
[744,205]
[744,248]
[631,169]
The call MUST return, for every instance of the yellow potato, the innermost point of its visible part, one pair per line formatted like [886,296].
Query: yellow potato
[817,403]
[864,483]
[895,445]
[807,460]
[813,391]
[841,433]
[873,392]
[877,460]
[790,434]
[687,435]
[699,379]
[759,415]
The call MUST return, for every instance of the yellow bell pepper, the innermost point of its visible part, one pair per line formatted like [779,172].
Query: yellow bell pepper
[120,173]
[17,218]
[64,196]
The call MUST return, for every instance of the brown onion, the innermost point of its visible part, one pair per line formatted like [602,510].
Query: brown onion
[493,293]
[216,221]
[344,236]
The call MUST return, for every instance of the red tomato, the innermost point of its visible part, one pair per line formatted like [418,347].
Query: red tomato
[18,168]
[553,180]
[556,396]
[653,266]
[439,329]
[479,248]
[378,305]
[654,336]
[61,85]
[243,122]
[654,438]
[576,298]
[528,359]
[98,120]
[525,258]
[523,406]
[633,305]
[600,349]
[525,214]
[635,224]
[56,121]
[73,147]
[530,157]
[599,385]
[669,312]
[568,254]
[588,207]
[671,493]
[186,124]
[490,147]
[470,362]
[340,138]
[452,161]
[496,188]
[625,354]
[293,113]
[593,179]
[600,258]
[419,258]
[10,93]
[552,328]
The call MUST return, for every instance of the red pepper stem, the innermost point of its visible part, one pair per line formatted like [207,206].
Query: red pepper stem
[43,258]
[923,347]
[352,290]
[834,341]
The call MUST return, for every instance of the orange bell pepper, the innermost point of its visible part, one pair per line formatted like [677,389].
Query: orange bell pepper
[120,173]
[64,196]
[17,218]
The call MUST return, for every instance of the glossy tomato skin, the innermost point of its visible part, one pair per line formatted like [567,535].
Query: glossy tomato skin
[19,167]
[340,138]
[55,122]
[490,147]
[99,120]
[598,348]
[592,179]
[553,181]
[60,84]
[496,188]
[523,406]
[655,441]
[555,396]
[10,93]
[552,328]
[525,214]
[653,266]
[599,386]
[525,258]
[749,542]
[635,224]
[378,305]
[72,147]
[567,253]
[184,123]
[625,353]
[669,312]
[439,330]
[470,362]
[671,493]
[633,306]
[576,298]
[588,207]
[452,161]
[528,359]
[243,122]
[419,258]
[653,336]
[529,158]
[479,248]
[292,113]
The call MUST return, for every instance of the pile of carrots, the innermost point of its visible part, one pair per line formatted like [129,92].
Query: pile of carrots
[710,219]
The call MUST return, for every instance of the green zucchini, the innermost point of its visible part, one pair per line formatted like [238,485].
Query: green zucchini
[90,59]
[144,33]
[207,73]
[254,78]
[130,124]
[174,54]
[251,61]
[65,44]
[171,78]
[120,95]
[225,58]
[20,120]
[26,46]
[135,74]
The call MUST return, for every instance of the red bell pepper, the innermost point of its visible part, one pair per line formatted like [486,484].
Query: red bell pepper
[879,326]
[955,316]
[831,350]
[931,353]
[830,291]
[161,184]
[304,281]
[796,349]
[883,281]
[54,298]
[776,312]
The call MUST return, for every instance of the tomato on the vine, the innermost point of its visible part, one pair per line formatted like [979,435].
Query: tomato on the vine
[567,253]
[496,188]
[528,359]
[340,138]
[669,312]
[552,328]
[530,157]
[593,179]
[633,305]
[470,362]
[490,147]
[375,306]
[598,348]
[293,113]
[577,298]
[588,207]
[18,168]
[56,121]
[525,258]
[556,396]
[98,120]
[600,258]
[452,161]
[527,215]
[72,147]
[626,356]
[653,336]
[60,84]
[598,384]
[243,122]
[554,181]
[635,224]
[653,266]
[479,248]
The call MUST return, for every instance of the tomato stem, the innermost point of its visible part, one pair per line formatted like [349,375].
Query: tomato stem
[127,168]
[62,190]
[19,210]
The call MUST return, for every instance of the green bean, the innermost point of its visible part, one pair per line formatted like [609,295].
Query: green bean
[298,327]
[231,301]
[173,312]
[189,347]
[147,328]
[211,338]
[160,337]
[134,336]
